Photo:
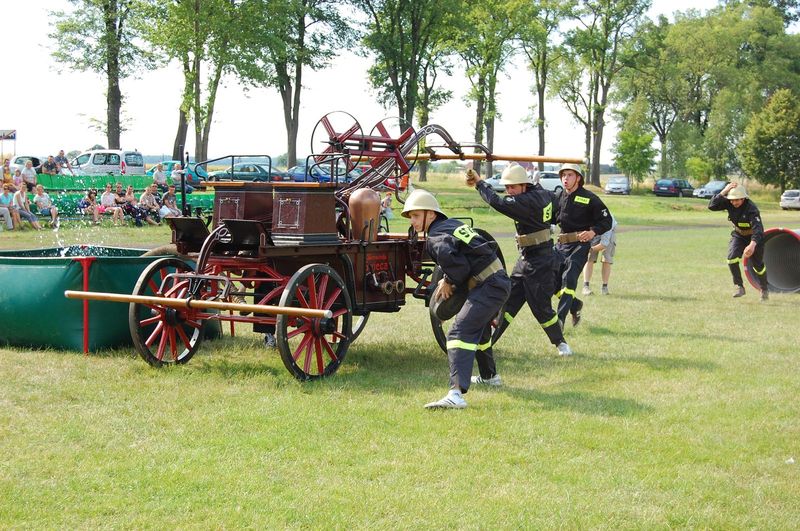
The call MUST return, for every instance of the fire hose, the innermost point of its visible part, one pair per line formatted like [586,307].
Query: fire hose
[782,259]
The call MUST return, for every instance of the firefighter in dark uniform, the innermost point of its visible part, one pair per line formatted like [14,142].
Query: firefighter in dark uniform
[747,238]
[582,216]
[532,208]
[470,264]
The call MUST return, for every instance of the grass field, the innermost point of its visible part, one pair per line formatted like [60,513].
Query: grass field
[679,410]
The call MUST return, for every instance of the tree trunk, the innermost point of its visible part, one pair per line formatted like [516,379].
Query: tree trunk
[212,98]
[541,84]
[198,111]
[424,117]
[480,112]
[113,94]
[183,116]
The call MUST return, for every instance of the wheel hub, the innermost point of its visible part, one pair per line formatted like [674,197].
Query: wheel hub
[324,326]
[172,317]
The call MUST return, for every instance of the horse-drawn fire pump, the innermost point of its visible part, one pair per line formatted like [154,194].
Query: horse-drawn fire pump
[309,255]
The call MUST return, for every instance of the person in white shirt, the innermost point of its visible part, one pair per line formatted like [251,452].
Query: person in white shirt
[169,207]
[108,203]
[45,205]
[176,178]
[160,178]
[29,176]
[23,206]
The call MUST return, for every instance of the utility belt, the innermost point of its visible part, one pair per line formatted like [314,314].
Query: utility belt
[568,237]
[533,238]
[488,271]
[743,232]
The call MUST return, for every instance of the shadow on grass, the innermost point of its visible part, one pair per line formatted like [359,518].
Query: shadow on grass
[581,402]
[655,298]
[667,333]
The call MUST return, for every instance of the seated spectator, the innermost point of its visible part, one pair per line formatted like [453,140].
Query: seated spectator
[108,205]
[63,163]
[88,205]
[169,207]
[45,205]
[6,171]
[160,178]
[50,167]
[131,208]
[23,206]
[148,202]
[29,176]
[7,209]
[176,178]
[16,181]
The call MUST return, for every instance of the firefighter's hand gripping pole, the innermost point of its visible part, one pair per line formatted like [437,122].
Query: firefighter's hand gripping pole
[198,304]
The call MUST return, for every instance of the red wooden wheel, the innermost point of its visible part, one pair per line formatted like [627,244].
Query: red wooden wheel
[164,335]
[314,348]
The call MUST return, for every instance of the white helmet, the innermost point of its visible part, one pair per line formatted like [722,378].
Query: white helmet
[421,200]
[514,174]
[739,192]
[574,167]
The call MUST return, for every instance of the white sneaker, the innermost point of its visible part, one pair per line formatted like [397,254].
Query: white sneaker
[453,400]
[563,349]
[604,290]
[493,381]
[586,290]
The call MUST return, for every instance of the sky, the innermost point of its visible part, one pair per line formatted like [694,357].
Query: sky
[53,110]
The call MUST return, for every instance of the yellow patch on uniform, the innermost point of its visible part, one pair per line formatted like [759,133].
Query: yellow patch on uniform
[582,200]
[547,213]
[464,233]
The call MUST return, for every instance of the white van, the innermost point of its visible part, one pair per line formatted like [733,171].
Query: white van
[105,161]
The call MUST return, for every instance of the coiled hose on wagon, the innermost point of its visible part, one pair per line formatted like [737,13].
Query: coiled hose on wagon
[782,258]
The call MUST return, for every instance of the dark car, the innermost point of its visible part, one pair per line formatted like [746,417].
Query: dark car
[710,189]
[673,188]
[248,171]
[316,174]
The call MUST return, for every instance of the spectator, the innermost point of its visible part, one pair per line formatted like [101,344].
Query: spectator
[108,204]
[23,206]
[160,178]
[604,245]
[7,209]
[88,205]
[16,181]
[50,167]
[169,207]
[6,171]
[45,205]
[62,162]
[133,210]
[29,175]
[386,206]
[148,202]
[176,178]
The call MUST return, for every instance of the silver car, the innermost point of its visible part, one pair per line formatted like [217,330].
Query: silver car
[618,185]
[790,199]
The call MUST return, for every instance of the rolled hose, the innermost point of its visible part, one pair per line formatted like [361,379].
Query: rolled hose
[782,258]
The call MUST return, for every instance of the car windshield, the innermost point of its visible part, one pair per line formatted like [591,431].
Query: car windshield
[791,193]
[664,182]
[618,180]
[716,184]
[134,159]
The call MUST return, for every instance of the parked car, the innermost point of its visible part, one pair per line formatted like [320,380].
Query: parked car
[18,163]
[494,182]
[710,189]
[195,175]
[108,161]
[790,199]
[618,184]
[673,188]
[316,173]
[248,171]
[549,181]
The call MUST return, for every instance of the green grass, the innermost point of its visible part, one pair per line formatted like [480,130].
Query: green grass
[679,409]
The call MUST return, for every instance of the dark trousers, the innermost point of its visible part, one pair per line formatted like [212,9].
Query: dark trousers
[573,258]
[533,281]
[470,336]
[736,249]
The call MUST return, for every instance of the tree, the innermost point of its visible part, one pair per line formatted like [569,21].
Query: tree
[604,26]
[634,152]
[574,88]
[101,36]
[537,41]
[485,43]
[283,38]
[430,95]
[199,34]
[770,149]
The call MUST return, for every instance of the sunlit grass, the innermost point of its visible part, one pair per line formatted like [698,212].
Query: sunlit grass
[679,409]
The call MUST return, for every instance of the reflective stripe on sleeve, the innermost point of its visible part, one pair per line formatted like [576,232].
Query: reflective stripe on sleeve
[457,343]
[551,322]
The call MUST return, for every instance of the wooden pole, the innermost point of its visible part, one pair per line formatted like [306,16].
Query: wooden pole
[197,304]
[493,156]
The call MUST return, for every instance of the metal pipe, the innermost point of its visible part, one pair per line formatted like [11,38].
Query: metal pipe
[483,156]
[782,259]
[198,304]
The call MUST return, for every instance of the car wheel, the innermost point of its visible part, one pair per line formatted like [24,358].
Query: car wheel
[680,193]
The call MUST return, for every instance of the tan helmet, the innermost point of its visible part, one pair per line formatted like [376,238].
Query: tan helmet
[420,200]
[514,174]
[740,192]
[574,167]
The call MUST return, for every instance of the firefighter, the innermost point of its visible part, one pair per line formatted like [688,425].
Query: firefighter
[470,264]
[747,238]
[581,216]
[532,208]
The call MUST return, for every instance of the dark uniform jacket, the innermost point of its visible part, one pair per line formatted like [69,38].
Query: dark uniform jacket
[582,210]
[745,218]
[532,210]
[458,250]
